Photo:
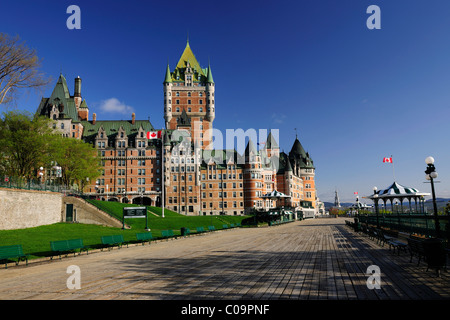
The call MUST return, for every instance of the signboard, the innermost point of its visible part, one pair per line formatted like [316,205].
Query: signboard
[134,212]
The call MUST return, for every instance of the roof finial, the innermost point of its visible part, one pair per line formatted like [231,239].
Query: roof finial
[295,133]
[187,40]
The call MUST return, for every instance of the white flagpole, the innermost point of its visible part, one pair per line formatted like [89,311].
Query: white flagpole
[393,171]
[162,173]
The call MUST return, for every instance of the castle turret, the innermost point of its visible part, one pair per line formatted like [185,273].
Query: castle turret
[210,105]
[167,97]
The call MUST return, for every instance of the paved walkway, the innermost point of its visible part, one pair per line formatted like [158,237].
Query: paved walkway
[312,259]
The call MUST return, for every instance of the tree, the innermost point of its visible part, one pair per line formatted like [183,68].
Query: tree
[18,68]
[24,143]
[77,159]
[28,142]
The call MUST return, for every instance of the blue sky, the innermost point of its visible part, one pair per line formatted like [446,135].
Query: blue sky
[355,95]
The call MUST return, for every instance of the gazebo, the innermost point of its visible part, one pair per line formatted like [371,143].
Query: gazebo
[276,195]
[399,192]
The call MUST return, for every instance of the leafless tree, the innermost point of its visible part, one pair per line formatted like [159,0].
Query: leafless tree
[18,68]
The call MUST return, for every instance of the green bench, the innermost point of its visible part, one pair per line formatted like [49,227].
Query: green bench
[114,240]
[143,237]
[200,229]
[225,226]
[211,228]
[66,246]
[10,252]
[167,233]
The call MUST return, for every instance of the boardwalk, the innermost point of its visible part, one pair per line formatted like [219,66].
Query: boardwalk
[312,259]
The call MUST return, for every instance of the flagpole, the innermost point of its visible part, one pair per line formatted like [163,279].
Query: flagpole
[393,171]
[162,173]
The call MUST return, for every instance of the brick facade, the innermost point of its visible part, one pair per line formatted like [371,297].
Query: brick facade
[198,179]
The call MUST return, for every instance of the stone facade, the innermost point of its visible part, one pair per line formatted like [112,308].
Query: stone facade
[19,209]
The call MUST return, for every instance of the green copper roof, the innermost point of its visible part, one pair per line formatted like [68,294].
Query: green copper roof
[60,96]
[168,78]
[209,78]
[112,127]
[188,56]
[271,143]
[300,155]
[83,104]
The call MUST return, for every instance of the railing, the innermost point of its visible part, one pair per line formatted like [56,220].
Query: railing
[35,184]
[423,224]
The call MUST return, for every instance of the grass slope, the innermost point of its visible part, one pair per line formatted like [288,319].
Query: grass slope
[36,241]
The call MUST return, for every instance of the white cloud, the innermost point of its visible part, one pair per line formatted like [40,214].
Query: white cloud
[278,118]
[113,105]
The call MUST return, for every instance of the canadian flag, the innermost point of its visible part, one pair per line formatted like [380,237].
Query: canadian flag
[154,134]
[355,192]
[388,160]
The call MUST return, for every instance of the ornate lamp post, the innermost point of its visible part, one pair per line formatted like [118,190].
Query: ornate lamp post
[431,174]
[375,199]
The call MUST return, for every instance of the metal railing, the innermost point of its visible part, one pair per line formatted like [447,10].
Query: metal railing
[36,184]
[419,223]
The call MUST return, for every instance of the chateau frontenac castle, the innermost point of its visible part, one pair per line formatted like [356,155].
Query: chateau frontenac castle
[198,179]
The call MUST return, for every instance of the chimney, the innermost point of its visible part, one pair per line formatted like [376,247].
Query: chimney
[77,92]
[133,118]
[94,118]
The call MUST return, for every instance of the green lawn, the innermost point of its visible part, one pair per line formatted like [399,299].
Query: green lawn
[36,241]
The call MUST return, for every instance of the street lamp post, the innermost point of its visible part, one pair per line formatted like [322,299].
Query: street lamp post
[375,196]
[431,174]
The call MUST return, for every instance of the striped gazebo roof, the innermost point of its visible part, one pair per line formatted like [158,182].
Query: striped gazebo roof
[399,191]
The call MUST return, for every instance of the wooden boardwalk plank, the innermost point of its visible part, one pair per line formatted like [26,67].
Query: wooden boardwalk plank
[312,259]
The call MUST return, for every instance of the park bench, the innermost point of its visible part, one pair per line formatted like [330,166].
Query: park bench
[66,246]
[373,233]
[185,231]
[143,237]
[225,226]
[200,229]
[416,249]
[113,240]
[12,252]
[211,228]
[431,250]
[385,236]
[167,233]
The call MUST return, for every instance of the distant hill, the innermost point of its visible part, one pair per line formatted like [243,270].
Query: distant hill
[440,203]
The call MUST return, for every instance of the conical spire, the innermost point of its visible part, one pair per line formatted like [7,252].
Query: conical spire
[209,78]
[271,142]
[168,77]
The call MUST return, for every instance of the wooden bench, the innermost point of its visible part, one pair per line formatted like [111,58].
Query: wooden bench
[167,233]
[13,251]
[143,237]
[66,246]
[113,240]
